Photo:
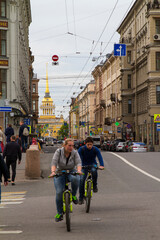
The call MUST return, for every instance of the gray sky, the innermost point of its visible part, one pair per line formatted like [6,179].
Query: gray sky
[76,31]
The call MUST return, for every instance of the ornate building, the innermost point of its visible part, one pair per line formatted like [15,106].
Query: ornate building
[48,120]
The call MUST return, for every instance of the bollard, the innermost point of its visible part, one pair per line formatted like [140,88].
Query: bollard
[32,165]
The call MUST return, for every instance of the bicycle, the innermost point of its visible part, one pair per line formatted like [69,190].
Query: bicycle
[67,196]
[89,186]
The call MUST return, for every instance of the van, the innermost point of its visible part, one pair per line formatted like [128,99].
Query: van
[96,141]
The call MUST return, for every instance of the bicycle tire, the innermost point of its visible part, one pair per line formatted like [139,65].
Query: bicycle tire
[88,197]
[68,220]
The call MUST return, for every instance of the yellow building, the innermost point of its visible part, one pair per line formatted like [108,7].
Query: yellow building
[50,122]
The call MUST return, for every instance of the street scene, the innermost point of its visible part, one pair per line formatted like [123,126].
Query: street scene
[126,206]
[79,119]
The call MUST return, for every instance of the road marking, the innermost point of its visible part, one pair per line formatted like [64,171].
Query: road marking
[11,202]
[12,199]
[138,169]
[13,193]
[10,232]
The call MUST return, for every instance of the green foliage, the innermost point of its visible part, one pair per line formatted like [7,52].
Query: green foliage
[64,130]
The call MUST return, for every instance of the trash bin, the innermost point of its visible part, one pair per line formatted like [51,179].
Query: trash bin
[32,167]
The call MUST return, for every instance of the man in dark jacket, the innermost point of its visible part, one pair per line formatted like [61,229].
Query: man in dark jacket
[12,151]
[24,139]
[4,171]
[9,132]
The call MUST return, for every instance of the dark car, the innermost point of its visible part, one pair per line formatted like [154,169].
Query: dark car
[78,144]
[105,145]
[115,143]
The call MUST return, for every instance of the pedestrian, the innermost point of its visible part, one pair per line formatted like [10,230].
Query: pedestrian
[9,132]
[18,140]
[23,134]
[12,151]
[2,140]
[4,172]
[65,158]
[88,154]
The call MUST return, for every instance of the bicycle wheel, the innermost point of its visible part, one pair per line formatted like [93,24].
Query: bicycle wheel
[67,200]
[88,197]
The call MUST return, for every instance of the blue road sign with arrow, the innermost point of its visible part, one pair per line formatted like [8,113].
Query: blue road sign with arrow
[119,50]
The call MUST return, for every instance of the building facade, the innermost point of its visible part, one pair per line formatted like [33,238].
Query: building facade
[15,60]
[47,119]
[140,71]
[35,100]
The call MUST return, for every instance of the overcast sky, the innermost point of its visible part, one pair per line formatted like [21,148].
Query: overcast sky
[77,31]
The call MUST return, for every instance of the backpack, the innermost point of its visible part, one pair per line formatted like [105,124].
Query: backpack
[25,132]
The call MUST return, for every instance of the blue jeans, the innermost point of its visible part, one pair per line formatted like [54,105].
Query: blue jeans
[0,192]
[59,183]
[83,178]
[24,143]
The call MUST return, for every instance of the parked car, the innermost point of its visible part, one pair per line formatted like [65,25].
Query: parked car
[96,141]
[60,141]
[121,146]
[105,145]
[138,147]
[49,142]
[128,144]
[78,144]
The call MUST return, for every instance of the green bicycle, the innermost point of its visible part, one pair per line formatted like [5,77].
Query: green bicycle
[67,197]
[88,186]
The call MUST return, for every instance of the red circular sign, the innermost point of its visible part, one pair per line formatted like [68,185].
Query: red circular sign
[55,58]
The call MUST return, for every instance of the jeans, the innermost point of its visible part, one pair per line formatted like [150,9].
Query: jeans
[83,178]
[0,192]
[59,183]
[13,163]
[24,143]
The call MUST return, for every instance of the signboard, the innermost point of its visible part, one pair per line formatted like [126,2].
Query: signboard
[158,127]
[119,50]
[27,121]
[5,109]
[118,129]
[3,24]
[157,118]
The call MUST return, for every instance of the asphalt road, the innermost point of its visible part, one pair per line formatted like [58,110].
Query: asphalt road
[125,208]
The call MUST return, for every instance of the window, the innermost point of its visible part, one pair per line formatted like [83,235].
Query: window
[129,80]
[2,8]
[157,61]
[34,88]
[2,43]
[129,57]
[129,106]
[34,105]
[158,26]
[3,81]
[158,94]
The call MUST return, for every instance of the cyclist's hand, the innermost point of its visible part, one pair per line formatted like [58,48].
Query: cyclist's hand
[52,175]
[80,172]
[101,167]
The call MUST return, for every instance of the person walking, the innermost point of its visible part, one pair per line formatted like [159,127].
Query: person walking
[65,158]
[23,134]
[9,132]
[2,140]
[12,151]
[4,172]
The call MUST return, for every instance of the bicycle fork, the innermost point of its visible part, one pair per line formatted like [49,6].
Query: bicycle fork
[64,202]
[86,187]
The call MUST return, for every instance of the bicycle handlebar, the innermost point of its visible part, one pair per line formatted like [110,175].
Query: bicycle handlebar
[91,166]
[58,174]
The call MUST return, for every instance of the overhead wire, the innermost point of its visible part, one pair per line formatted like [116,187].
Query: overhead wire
[66,15]
[74,24]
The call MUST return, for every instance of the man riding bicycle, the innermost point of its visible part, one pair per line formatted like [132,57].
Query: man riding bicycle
[65,158]
[88,154]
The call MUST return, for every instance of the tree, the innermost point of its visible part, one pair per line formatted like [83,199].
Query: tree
[64,130]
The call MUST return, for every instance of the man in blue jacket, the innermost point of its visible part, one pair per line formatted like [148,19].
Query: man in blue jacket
[88,154]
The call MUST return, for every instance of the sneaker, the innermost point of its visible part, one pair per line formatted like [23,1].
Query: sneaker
[9,180]
[81,201]
[74,199]
[95,189]
[13,183]
[58,217]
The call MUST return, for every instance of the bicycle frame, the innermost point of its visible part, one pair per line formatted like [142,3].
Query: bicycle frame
[67,190]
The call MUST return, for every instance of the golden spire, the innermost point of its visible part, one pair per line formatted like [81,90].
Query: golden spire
[47,87]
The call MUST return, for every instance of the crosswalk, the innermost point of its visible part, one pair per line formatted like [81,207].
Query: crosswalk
[8,199]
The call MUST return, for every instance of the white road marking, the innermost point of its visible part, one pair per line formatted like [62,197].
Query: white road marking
[12,199]
[138,169]
[10,232]
[11,202]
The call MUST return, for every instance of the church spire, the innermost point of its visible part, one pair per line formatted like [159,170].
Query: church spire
[47,93]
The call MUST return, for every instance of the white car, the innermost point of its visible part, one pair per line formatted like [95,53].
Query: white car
[121,147]
[49,142]
[138,147]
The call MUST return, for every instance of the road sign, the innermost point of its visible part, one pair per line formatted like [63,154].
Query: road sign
[55,58]
[156,117]
[27,121]
[158,127]
[5,109]
[118,129]
[119,50]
